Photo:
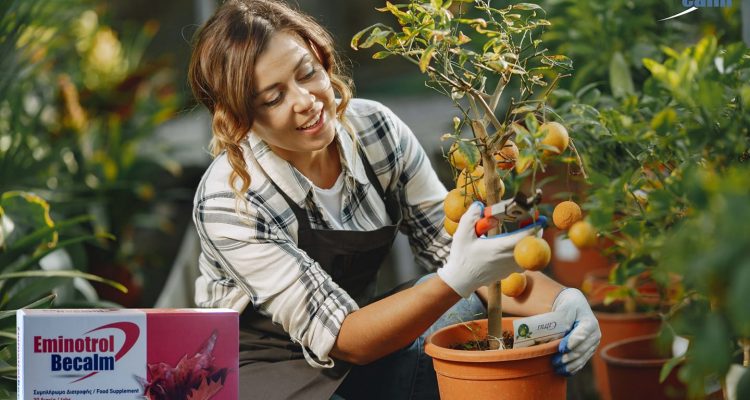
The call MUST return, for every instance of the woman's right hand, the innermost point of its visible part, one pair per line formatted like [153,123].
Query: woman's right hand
[475,262]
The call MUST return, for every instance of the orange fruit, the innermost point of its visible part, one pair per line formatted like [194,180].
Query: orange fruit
[450,226]
[455,204]
[507,156]
[523,164]
[566,214]
[582,234]
[532,253]
[470,180]
[482,190]
[458,158]
[513,285]
[556,136]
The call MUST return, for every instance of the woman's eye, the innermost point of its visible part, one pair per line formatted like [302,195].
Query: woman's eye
[310,74]
[273,102]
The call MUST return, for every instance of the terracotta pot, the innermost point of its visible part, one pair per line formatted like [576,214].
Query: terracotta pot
[596,285]
[633,368]
[524,373]
[614,327]
[570,265]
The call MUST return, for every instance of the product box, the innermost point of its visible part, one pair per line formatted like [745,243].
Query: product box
[155,354]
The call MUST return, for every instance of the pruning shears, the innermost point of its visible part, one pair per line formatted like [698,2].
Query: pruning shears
[509,210]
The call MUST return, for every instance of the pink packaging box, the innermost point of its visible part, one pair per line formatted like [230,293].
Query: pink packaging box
[155,354]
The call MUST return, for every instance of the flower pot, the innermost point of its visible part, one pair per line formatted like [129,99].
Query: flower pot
[524,373]
[596,285]
[570,264]
[617,326]
[633,368]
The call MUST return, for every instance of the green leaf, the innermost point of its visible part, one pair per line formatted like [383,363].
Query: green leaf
[664,120]
[357,36]
[8,318]
[424,60]
[524,109]
[526,6]
[38,288]
[745,94]
[558,61]
[668,366]
[470,151]
[68,274]
[381,55]
[619,76]
[28,243]
[711,96]
[743,387]
[27,213]
[531,123]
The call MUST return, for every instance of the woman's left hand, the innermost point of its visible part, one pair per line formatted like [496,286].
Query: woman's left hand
[580,343]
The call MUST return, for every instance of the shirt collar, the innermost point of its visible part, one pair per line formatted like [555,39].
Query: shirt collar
[292,182]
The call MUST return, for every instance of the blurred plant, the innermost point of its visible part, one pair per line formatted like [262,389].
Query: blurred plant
[31,274]
[662,165]
[79,122]
[477,55]
[607,39]
[710,249]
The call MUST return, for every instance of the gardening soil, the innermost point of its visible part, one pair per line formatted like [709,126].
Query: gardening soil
[484,344]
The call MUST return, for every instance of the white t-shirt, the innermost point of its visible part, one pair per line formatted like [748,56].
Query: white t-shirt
[331,201]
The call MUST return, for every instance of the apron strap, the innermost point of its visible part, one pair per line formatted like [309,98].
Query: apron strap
[371,176]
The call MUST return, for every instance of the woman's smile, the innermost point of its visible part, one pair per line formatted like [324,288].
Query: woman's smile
[314,126]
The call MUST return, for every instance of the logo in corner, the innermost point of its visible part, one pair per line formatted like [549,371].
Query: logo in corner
[692,5]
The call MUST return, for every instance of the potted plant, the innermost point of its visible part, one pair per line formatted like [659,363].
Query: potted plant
[713,313]
[688,120]
[491,64]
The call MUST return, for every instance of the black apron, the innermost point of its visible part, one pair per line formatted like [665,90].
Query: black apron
[271,365]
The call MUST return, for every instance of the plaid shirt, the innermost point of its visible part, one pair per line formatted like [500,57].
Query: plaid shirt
[253,258]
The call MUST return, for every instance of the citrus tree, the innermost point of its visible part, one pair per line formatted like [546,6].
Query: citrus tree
[491,63]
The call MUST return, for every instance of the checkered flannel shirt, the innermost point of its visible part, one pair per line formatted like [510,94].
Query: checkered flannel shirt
[253,258]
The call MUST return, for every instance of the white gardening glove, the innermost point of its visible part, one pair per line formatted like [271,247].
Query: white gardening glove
[475,262]
[581,341]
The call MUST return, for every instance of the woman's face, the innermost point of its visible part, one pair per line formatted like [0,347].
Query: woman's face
[294,102]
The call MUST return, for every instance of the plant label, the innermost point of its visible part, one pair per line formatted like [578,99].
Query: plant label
[538,329]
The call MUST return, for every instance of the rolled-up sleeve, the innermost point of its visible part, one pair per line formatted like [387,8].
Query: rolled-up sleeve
[422,197]
[261,261]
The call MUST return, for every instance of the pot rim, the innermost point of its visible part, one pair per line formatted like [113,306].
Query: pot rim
[619,316]
[486,356]
[627,362]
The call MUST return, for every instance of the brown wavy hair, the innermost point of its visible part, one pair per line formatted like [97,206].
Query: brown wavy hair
[225,50]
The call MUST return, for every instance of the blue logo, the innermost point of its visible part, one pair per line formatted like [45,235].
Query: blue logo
[693,5]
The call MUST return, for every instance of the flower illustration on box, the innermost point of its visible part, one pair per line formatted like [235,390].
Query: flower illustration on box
[193,378]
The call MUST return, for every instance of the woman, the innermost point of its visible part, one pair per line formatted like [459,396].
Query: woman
[301,205]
